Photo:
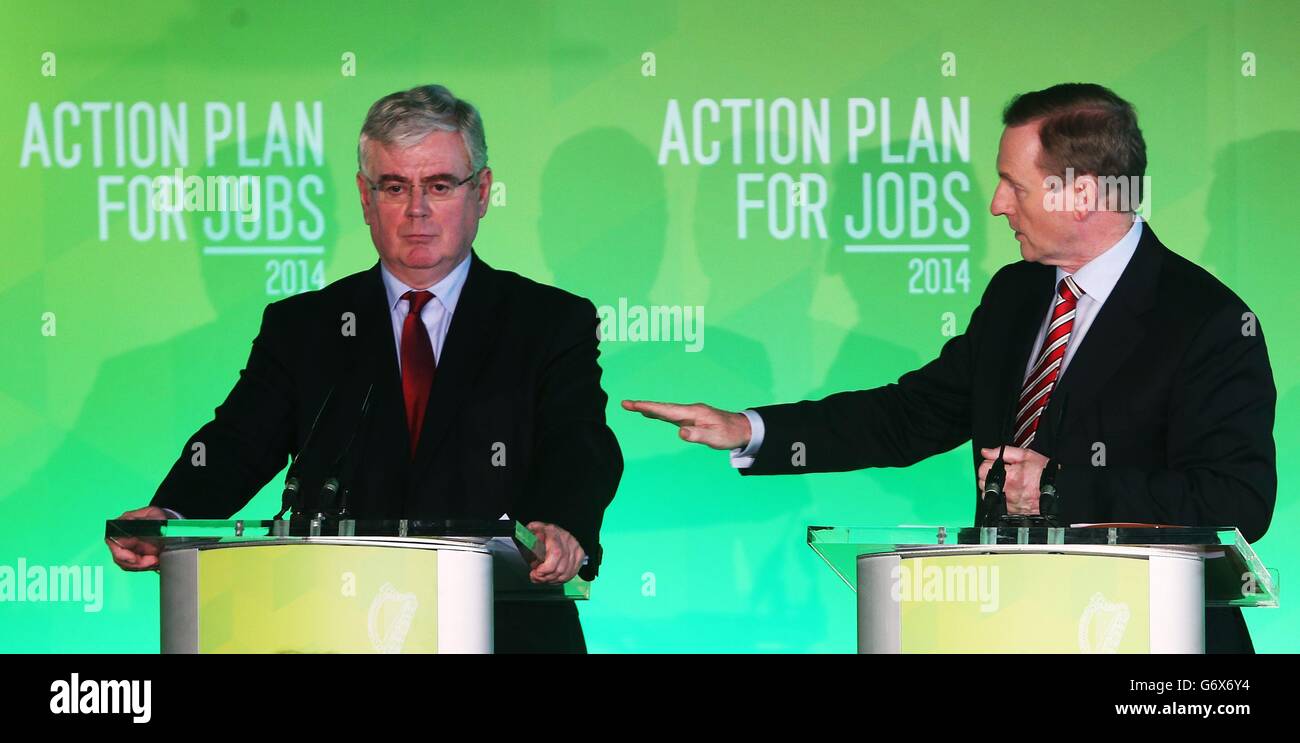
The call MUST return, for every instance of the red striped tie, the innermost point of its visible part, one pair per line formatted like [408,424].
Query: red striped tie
[418,364]
[1038,385]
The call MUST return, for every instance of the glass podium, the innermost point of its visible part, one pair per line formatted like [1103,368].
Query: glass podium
[1094,588]
[337,585]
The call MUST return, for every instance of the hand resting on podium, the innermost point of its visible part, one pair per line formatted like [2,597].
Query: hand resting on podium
[134,554]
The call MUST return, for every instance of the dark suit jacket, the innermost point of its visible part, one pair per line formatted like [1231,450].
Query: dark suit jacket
[518,377]
[1169,379]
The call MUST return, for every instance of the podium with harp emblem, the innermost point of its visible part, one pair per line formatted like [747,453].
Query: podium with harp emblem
[337,586]
[1097,589]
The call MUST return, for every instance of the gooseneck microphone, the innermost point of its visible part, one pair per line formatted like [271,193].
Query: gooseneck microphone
[290,497]
[993,502]
[333,488]
[993,499]
[1049,500]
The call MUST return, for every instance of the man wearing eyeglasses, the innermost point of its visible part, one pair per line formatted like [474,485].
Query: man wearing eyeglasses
[483,387]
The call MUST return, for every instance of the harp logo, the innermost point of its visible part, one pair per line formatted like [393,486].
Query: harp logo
[391,614]
[1102,625]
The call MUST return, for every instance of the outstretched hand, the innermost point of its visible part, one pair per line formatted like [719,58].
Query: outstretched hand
[698,423]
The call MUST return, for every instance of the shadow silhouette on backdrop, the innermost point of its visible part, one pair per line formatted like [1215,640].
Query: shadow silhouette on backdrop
[146,403]
[1249,247]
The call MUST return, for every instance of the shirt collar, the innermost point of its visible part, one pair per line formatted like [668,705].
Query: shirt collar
[447,290]
[1097,277]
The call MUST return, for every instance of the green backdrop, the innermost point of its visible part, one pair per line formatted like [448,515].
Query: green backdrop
[120,338]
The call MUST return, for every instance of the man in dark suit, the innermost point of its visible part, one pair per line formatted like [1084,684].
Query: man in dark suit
[483,387]
[1138,356]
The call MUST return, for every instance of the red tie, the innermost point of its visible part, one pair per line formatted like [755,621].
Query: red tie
[418,364]
[1038,385]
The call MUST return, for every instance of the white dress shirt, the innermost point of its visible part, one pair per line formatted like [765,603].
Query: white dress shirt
[436,313]
[1097,279]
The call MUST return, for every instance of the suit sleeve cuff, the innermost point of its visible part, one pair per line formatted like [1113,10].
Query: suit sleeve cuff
[744,457]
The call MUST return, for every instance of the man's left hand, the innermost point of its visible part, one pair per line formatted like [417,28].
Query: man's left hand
[562,555]
[1024,468]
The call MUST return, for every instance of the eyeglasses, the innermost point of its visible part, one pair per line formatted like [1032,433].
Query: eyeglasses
[437,189]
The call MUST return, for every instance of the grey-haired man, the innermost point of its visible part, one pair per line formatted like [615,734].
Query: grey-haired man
[465,360]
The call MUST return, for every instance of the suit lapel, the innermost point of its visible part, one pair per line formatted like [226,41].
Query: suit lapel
[383,450]
[469,342]
[1117,330]
[375,330]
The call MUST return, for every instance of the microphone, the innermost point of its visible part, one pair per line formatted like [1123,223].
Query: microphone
[333,486]
[289,498]
[352,463]
[1049,501]
[995,502]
